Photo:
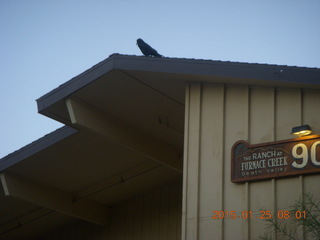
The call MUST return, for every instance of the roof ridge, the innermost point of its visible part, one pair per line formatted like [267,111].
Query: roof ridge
[211,60]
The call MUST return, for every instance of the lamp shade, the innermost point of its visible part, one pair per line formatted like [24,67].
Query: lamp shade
[301,130]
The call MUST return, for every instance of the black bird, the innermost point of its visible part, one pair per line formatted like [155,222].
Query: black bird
[146,49]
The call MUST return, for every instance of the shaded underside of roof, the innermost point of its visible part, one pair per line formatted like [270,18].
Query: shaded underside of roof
[190,70]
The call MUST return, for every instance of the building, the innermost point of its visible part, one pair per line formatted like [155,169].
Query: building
[146,151]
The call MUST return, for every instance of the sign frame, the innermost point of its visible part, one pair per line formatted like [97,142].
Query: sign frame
[279,159]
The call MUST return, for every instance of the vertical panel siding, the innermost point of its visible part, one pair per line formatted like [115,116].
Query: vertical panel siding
[288,115]
[262,125]
[185,177]
[211,138]
[216,117]
[311,116]
[236,128]
[191,168]
[153,215]
[288,111]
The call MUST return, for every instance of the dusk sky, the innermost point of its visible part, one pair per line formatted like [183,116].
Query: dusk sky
[45,43]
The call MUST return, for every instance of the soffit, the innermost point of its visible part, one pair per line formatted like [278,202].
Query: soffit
[81,161]
[135,88]
[22,220]
[82,164]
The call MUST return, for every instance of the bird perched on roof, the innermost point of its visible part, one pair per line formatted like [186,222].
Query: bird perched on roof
[146,49]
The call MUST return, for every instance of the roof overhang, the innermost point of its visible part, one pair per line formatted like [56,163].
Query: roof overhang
[168,76]
[124,135]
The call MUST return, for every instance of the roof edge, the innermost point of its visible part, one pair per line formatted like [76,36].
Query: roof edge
[36,146]
[266,72]
[76,82]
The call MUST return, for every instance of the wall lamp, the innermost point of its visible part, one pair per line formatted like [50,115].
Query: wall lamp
[301,131]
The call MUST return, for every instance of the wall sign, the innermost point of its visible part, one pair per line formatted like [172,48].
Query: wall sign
[275,159]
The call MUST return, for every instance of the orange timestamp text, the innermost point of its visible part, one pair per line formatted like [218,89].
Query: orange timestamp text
[263,214]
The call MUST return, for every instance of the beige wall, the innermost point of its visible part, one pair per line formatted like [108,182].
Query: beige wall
[216,117]
[154,215]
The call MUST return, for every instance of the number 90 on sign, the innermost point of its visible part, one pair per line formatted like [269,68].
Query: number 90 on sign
[300,152]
